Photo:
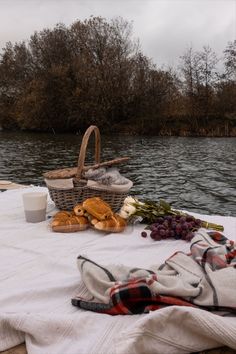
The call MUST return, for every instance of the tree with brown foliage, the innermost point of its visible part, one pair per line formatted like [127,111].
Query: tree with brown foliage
[93,72]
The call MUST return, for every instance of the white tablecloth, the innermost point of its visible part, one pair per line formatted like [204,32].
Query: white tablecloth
[38,278]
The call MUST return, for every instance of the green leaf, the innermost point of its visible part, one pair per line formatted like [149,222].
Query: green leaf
[165,205]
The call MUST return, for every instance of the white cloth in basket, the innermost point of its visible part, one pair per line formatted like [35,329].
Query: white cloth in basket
[113,187]
[65,183]
[107,176]
[108,179]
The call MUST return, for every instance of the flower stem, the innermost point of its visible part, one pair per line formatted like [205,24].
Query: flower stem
[210,225]
[149,211]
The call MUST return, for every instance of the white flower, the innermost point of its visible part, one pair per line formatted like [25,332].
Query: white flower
[126,211]
[123,214]
[128,208]
[129,200]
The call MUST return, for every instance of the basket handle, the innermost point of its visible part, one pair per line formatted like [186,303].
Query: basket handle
[83,148]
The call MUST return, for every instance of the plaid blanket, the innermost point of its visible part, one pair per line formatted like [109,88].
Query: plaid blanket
[130,297]
[205,278]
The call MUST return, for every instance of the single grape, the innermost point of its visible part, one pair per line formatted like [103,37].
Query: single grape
[153,234]
[189,236]
[159,220]
[182,219]
[143,234]
[159,227]
[191,224]
[168,233]
[157,238]
[166,223]
[162,233]
[153,227]
[185,226]
[178,229]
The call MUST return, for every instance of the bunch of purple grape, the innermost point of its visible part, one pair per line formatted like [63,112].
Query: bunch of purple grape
[173,226]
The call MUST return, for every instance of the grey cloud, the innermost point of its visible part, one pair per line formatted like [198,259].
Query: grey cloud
[165,27]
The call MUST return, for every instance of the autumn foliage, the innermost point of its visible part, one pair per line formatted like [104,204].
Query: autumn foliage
[93,72]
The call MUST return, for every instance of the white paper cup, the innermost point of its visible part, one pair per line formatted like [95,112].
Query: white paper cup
[35,204]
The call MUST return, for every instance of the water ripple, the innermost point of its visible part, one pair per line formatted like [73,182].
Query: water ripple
[198,174]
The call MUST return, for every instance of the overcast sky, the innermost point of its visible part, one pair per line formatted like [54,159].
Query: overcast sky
[165,27]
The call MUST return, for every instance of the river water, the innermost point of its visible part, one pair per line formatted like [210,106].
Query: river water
[195,174]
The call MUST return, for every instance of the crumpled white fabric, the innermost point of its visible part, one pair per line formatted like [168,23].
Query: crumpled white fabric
[106,176]
[38,277]
[182,275]
[177,330]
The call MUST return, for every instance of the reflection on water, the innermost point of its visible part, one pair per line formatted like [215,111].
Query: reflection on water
[197,174]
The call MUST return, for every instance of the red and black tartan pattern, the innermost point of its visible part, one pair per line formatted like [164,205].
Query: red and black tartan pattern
[134,296]
[230,255]
[204,254]
[131,297]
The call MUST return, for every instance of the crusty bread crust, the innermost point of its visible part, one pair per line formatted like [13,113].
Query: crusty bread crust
[68,222]
[113,224]
[79,210]
[97,208]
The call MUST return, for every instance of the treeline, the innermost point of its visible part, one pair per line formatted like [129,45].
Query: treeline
[94,72]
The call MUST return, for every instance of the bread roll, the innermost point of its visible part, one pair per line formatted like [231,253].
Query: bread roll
[68,222]
[94,221]
[114,224]
[79,210]
[97,208]
[62,215]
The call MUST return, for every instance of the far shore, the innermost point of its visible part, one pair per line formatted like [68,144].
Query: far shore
[225,129]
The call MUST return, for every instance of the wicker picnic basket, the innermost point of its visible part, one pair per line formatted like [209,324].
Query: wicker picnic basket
[67,198]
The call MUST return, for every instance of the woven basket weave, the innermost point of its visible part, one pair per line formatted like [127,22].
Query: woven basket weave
[66,199]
